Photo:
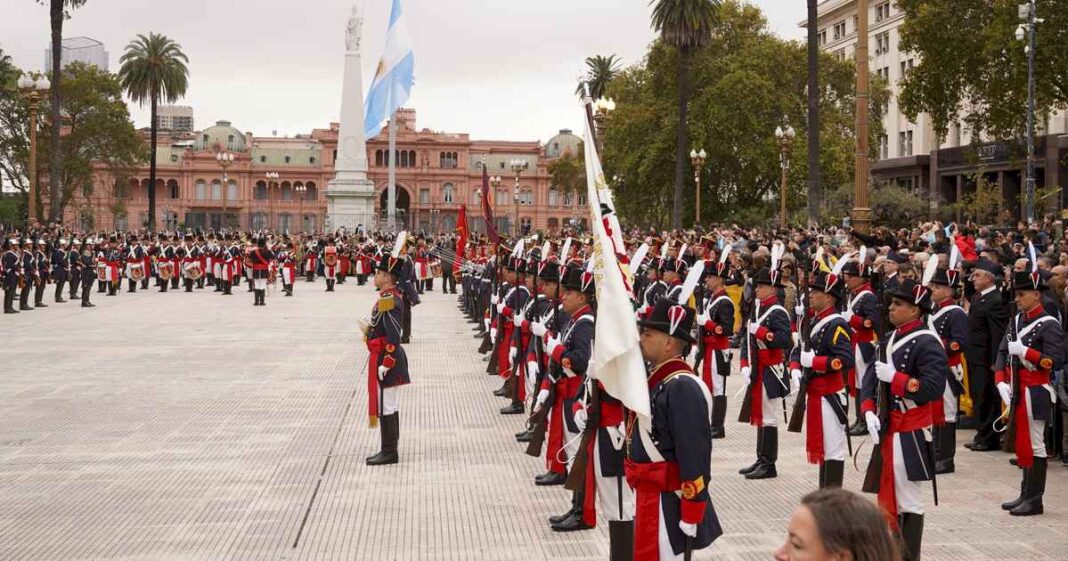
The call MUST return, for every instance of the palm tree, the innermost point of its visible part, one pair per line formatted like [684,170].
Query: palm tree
[687,26]
[600,70]
[57,12]
[814,193]
[153,69]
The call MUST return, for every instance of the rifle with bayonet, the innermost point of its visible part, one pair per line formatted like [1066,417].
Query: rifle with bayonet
[746,412]
[883,403]
[797,415]
[576,477]
[1008,443]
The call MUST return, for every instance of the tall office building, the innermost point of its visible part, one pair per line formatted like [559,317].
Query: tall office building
[175,118]
[80,49]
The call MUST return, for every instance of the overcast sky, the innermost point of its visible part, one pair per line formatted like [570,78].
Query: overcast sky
[497,69]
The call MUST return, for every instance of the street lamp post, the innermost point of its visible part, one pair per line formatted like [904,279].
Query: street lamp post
[300,188]
[601,109]
[786,144]
[861,180]
[495,183]
[698,159]
[271,176]
[518,167]
[1028,12]
[225,159]
[34,89]
[434,220]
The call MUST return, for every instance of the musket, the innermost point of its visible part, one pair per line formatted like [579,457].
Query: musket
[576,477]
[746,412]
[797,415]
[1008,443]
[883,403]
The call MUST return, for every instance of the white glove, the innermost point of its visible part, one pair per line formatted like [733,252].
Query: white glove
[1017,348]
[382,371]
[517,320]
[847,315]
[885,372]
[512,352]
[1006,392]
[500,307]
[795,381]
[543,396]
[807,358]
[702,319]
[745,371]
[532,369]
[485,323]
[688,529]
[493,299]
[753,327]
[493,333]
[538,329]
[580,419]
[551,344]
[873,425]
[799,311]
[692,357]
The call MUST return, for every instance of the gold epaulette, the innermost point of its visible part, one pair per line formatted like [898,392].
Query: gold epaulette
[386,303]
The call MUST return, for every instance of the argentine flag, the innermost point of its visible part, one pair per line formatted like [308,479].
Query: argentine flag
[392,84]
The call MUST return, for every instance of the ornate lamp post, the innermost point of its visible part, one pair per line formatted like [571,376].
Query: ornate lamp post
[434,212]
[697,158]
[34,89]
[301,189]
[786,143]
[518,167]
[495,183]
[272,176]
[225,159]
[1027,12]
[601,109]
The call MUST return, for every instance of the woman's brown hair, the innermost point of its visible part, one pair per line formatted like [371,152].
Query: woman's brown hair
[849,522]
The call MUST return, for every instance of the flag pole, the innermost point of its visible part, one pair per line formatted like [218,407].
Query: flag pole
[392,158]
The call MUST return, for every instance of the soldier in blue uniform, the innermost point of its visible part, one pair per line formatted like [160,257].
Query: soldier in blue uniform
[909,376]
[669,455]
[950,322]
[261,258]
[44,271]
[715,325]
[29,274]
[818,365]
[87,264]
[763,353]
[74,269]
[60,269]
[862,312]
[387,367]
[1033,347]
[512,312]
[10,264]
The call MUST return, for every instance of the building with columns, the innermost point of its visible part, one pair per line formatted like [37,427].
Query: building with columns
[280,183]
[909,153]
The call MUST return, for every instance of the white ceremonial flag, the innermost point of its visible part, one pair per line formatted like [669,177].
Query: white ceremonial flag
[617,356]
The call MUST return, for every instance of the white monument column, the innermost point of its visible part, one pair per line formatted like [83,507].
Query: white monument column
[350,195]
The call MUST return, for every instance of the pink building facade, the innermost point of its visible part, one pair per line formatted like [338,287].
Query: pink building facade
[280,183]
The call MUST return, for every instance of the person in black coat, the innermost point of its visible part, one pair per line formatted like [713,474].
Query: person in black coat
[987,318]
[10,264]
[60,270]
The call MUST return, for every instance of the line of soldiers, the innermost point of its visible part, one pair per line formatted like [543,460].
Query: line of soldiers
[827,326]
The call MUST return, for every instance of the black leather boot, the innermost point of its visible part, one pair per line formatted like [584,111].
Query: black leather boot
[719,414]
[947,448]
[390,437]
[1033,490]
[59,293]
[576,505]
[1023,489]
[833,473]
[911,535]
[768,455]
[573,522]
[515,408]
[760,439]
[621,540]
[131,285]
[550,478]
[505,390]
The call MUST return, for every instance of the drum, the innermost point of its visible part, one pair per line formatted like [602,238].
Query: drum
[194,271]
[166,270]
[272,273]
[330,256]
[137,272]
[101,272]
[435,270]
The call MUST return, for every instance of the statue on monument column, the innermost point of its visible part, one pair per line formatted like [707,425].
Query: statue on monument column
[352,32]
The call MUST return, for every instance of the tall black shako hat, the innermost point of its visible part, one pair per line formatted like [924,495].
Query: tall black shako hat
[917,293]
[675,317]
[772,275]
[826,279]
[578,277]
[1029,280]
[394,262]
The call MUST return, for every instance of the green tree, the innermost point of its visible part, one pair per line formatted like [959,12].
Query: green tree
[814,190]
[686,26]
[58,12]
[971,67]
[599,72]
[568,172]
[98,136]
[891,205]
[153,69]
[745,83]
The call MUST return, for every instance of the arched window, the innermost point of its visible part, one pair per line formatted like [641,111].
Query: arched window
[582,199]
[567,198]
[502,196]
[231,190]
[554,224]
[476,197]
[216,190]
[202,190]
[378,158]
[447,193]
[411,158]
[170,220]
[260,193]
[441,160]
[554,197]
[287,191]
[312,193]
[284,222]
[172,188]
[259,220]
[526,197]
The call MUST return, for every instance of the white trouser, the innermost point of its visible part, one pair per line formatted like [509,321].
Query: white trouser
[615,498]
[719,385]
[666,553]
[1038,428]
[390,400]
[261,284]
[949,405]
[834,434]
[771,407]
[909,493]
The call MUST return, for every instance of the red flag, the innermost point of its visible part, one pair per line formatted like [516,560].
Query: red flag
[487,211]
[461,240]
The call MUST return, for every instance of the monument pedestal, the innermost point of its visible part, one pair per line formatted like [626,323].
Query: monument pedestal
[350,204]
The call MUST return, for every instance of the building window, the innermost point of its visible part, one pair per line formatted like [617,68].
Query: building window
[287,191]
[840,54]
[172,188]
[378,158]
[882,43]
[287,159]
[882,11]
[311,160]
[230,142]
[567,198]
[201,190]
[403,159]
[554,224]
[582,199]
[170,220]
[424,196]
[308,223]
[174,158]
[283,221]
[121,222]
[263,159]
[231,190]
[906,67]
[260,193]
[839,30]
[449,160]
[476,197]
[525,224]
[904,143]
[554,197]
[502,196]
[447,193]
[823,37]
[312,193]
[907,184]
[883,73]
[526,197]
[884,147]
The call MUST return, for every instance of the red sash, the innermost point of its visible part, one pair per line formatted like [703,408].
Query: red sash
[1025,455]
[817,388]
[911,420]
[765,357]
[649,480]
[375,347]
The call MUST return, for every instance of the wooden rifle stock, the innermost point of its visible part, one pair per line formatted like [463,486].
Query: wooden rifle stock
[1008,443]
[576,477]
[539,424]
[745,414]
[883,403]
[797,414]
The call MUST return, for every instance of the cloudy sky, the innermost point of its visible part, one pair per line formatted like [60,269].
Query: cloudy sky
[498,69]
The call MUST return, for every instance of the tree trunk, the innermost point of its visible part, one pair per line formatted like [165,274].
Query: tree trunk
[152,167]
[814,189]
[681,138]
[55,159]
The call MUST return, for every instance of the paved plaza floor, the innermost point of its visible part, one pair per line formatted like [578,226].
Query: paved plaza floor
[198,427]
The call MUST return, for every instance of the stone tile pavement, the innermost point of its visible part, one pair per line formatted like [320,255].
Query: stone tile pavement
[198,427]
